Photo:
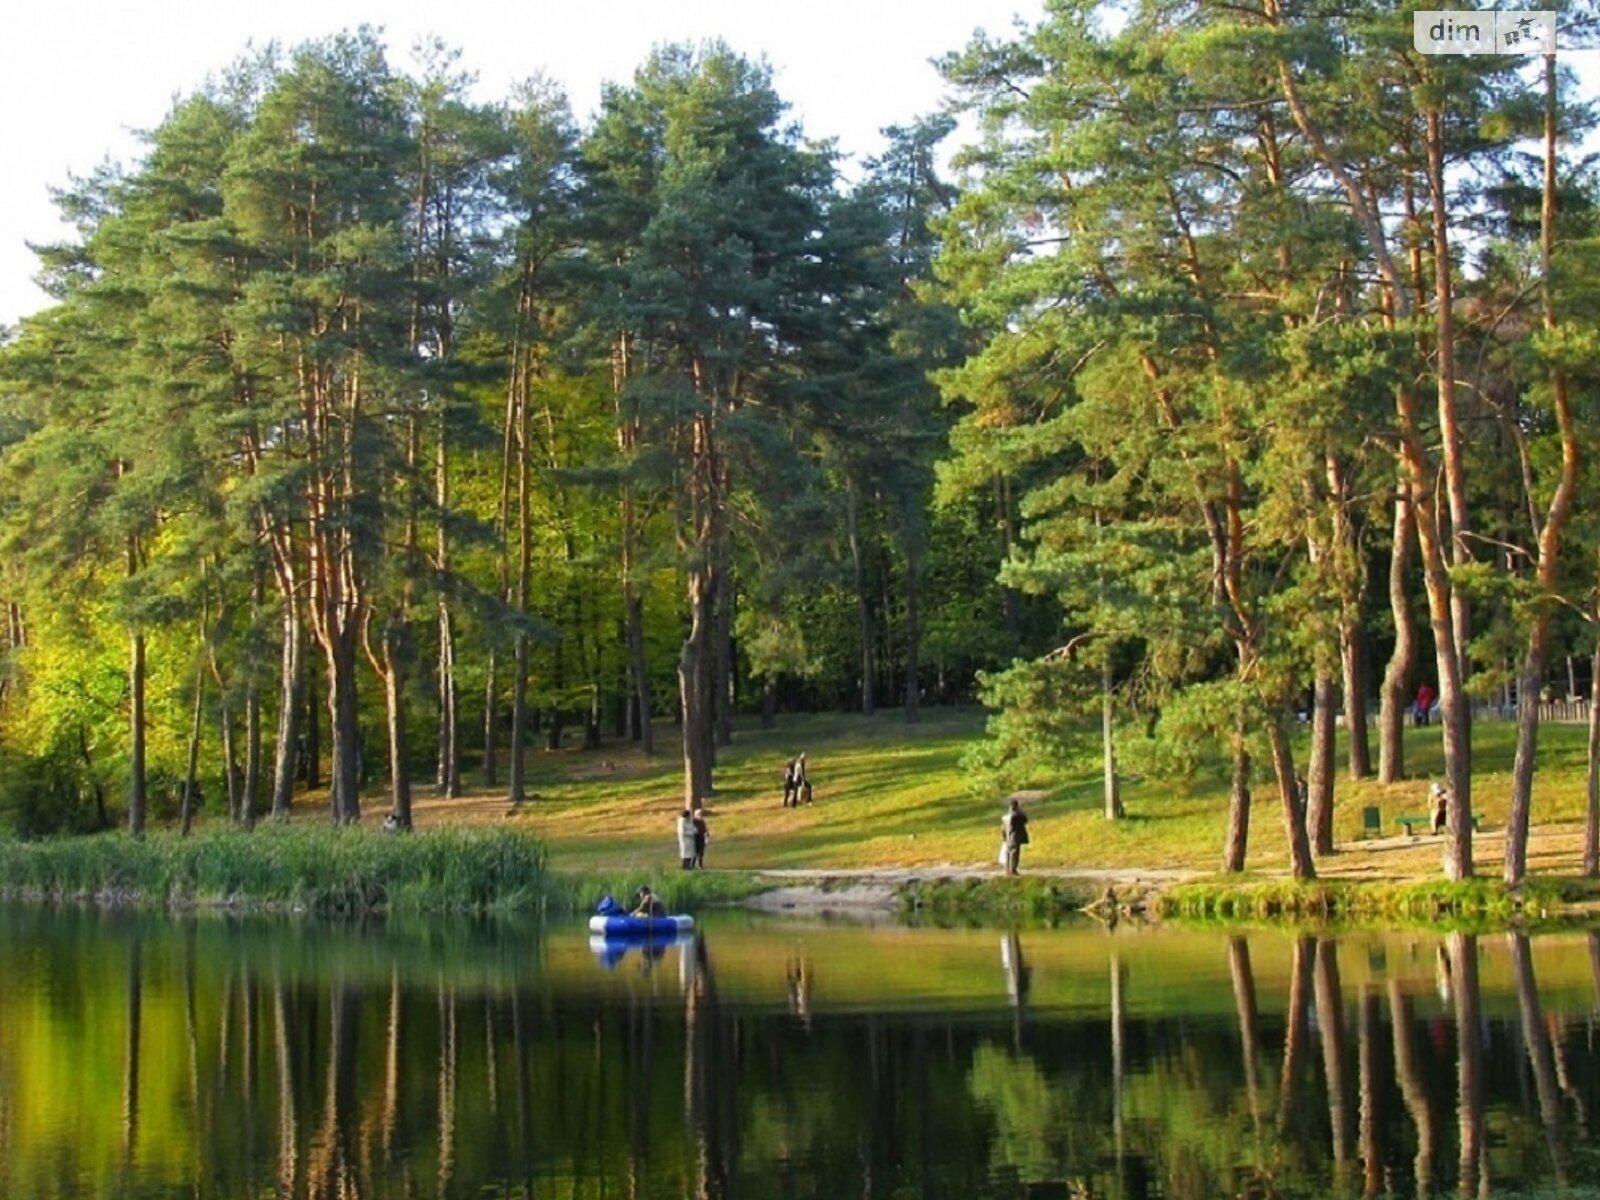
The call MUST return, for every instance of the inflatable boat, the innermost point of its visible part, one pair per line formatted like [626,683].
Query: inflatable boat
[619,925]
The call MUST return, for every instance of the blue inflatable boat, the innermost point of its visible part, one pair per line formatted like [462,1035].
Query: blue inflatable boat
[624,926]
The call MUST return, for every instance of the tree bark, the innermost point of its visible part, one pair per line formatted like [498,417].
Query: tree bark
[191,770]
[1397,675]
[1108,746]
[1238,840]
[1352,657]
[639,669]
[1591,822]
[692,691]
[136,768]
[1300,864]
[863,605]
[344,732]
[1367,1083]
[1320,769]
[289,700]
[914,635]
[491,721]
[394,682]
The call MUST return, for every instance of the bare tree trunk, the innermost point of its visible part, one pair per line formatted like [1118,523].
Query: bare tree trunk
[491,721]
[313,731]
[447,779]
[1397,675]
[723,660]
[191,771]
[1591,823]
[344,731]
[692,691]
[639,670]
[136,770]
[1320,770]
[289,699]
[1300,864]
[1108,746]
[863,607]
[1233,856]
[1353,660]
[914,636]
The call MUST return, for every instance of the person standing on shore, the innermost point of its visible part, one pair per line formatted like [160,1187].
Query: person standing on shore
[687,839]
[701,835]
[1014,833]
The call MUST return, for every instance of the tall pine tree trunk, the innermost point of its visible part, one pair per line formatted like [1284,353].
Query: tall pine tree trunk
[289,700]
[1591,821]
[520,418]
[192,765]
[393,673]
[1549,537]
[639,669]
[863,604]
[1238,840]
[1320,769]
[491,720]
[1352,660]
[1300,864]
[1397,675]
[1108,745]
[344,768]
[914,635]
[136,768]
[447,779]
[695,657]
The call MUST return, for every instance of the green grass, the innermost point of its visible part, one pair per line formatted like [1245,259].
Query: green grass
[1430,902]
[313,867]
[890,795]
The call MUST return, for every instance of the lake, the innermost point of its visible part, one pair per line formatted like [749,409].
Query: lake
[213,1056]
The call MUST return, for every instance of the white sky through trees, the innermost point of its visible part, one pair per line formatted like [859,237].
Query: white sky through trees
[77,78]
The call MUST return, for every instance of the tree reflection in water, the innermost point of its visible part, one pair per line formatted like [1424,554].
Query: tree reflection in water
[144,1059]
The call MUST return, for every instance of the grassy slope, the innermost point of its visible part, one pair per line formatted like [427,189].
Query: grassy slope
[892,795]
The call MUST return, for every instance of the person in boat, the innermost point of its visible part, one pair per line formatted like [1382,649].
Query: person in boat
[700,834]
[687,840]
[1014,834]
[647,904]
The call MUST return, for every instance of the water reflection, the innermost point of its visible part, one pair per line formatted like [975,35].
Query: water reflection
[219,1059]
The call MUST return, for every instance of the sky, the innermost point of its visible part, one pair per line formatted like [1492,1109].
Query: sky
[77,79]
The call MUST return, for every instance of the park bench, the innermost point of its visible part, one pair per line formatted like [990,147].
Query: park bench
[1412,823]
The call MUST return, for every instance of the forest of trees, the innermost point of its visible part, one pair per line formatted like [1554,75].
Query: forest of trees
[1243,363]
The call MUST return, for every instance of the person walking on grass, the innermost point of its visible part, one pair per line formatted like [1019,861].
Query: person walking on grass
[700,835]
[686,839]
[1441,806]
[1014,835]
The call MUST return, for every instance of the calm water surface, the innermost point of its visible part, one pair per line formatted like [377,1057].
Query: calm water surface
[146,1057]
